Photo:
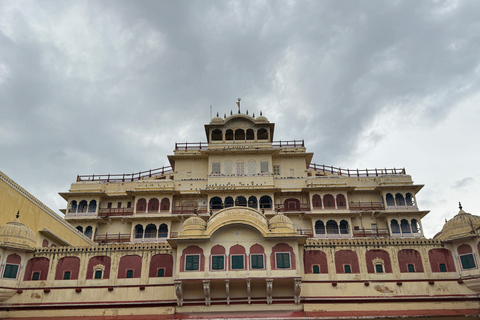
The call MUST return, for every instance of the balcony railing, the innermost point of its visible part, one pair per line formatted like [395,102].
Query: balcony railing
[289,208]
[125,177]
[191,145]
[70,213]
[305,232]
[358,205]
[288,144]
[370,233]
[333,234]
[112,238]
[189,209]
[112,212]
[355,172]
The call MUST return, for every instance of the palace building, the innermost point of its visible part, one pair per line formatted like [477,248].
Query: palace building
[240,226]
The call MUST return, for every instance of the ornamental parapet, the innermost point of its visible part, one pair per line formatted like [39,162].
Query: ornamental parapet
[107,248]
[318,243]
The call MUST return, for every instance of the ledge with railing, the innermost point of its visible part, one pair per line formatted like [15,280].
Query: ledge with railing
[125,177]
[290,208]
[112,238]
[112,212]
[189,209]
[71,213]
[370,233]
[368,205]
[356,172]
[275,144]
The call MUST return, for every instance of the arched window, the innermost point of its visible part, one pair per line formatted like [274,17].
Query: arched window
[240,168]
[215,203]
[141,205]
[241,201]
[344,227]
[239,135]
[415,226]
[153,205]
[329,201]
[389,199]
[341,202]
[262,134]
[151,231]
[316,269]
[217,135]
[138,231]
[405,226]
[82,207]
[319,227]
[317,201]
[80,228]
[229,135]
[229,202]
[165,205]
[92,207]
[228,167]
[89,232]
[399,199]
[394,226]
[250,134]
[291,204]
[332,227]
[73,206]
[409,199]
[265,202]
[252,202]
[163,231]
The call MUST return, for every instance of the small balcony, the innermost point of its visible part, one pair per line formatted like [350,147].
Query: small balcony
[293,207]
[112,238]
[115,212]
[189,209]
[81,213]
[370,233]
[366,206]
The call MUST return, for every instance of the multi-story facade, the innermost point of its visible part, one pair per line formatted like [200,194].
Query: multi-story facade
[243,225]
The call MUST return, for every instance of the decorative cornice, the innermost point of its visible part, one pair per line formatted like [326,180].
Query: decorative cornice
[382,242]
[107,248]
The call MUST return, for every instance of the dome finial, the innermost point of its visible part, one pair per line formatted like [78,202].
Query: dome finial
[261,113]
[18,214]
[460,205]
[238,104]
[231,112]
[224,116]
[217,113]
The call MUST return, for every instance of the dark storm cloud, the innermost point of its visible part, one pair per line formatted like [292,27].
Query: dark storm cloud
[102,86]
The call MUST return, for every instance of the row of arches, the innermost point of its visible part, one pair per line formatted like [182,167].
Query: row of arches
[99,267]
[332,227]
[328,201]
[217,203]
[239,134]
[399,200]
[150,231]
[83,206]
[153,205]
[405,227]
[378,261]
[88,231]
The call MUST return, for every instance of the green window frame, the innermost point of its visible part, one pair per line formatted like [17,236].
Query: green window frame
[468,262]
[379,268]
[161,273]
[257,261]
[218,262]
[129,274]
[36,276]
[191,263]
[347,268]
[442,267]
[98,274]
[237,262]
[67,275]
[10,271]
[411,268]
[283,260]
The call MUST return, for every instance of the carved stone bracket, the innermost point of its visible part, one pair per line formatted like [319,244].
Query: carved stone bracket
[227,290]
[269,291]
[206,291]
[249,291]
[179,293]
[297,290]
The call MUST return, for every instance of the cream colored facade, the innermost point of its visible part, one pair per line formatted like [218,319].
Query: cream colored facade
[244,226]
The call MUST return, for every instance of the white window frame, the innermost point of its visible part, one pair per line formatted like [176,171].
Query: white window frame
[185,262]
[289,260]
[211,262]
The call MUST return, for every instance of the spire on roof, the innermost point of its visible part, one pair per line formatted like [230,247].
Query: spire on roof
[460,205]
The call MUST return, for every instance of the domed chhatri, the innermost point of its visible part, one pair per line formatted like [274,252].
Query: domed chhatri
[16,235]
[281,223]
[194,223]
[460,226]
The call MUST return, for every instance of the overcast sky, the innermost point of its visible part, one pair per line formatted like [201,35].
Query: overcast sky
[110,86]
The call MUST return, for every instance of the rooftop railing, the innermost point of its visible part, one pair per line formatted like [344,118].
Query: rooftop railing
[125,177]
[112,238]
[204,145]
[288,143]
[355,172]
